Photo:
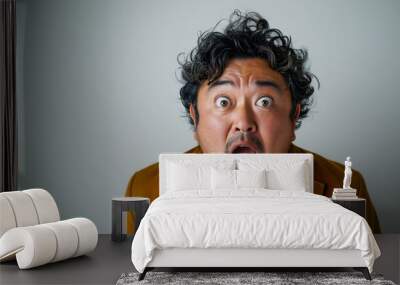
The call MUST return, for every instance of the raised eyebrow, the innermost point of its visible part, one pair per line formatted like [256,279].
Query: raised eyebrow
[219,83]
[260,83]
[269,83]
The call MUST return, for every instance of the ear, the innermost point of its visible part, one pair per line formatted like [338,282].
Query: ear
[296,117]
[297,113]
[193,114]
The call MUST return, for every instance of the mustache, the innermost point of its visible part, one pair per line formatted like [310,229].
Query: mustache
[242,136]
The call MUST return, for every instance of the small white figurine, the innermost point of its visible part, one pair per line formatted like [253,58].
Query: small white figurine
[347,174]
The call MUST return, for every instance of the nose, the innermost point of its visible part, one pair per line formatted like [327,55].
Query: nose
[244,119]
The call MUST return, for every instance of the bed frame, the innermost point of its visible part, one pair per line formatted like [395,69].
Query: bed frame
[248,259]
[251,257]
[261,259]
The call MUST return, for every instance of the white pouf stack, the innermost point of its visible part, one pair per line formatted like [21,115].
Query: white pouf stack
[32,233]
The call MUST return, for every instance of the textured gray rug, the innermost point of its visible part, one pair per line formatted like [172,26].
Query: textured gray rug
[228,278]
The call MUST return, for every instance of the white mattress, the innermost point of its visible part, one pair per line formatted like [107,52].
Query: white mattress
[252,218]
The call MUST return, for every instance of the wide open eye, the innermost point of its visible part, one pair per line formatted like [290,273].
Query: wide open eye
[223,102]
[264,101]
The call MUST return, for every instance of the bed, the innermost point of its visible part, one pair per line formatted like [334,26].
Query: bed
[247,211]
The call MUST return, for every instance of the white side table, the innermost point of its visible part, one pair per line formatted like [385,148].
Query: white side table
[138,205]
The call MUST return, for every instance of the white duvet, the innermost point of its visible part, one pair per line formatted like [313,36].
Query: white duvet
[252,218]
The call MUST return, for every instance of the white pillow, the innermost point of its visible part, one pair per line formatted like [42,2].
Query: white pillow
[251,178]
[236,179]
[188,175]
[223,179]
[293,178]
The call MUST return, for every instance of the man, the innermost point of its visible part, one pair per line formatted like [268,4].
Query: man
[246,90]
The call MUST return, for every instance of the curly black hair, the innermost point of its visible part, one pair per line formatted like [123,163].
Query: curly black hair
[246,36]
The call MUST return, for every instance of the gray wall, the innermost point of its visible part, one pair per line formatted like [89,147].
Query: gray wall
[98,95]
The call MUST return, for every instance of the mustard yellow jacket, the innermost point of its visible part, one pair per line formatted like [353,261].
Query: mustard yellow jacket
[328,174]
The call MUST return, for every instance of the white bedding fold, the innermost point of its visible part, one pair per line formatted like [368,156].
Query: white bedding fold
[250,218]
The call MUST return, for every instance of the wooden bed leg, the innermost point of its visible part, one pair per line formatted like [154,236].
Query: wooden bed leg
[143,274]
[364,271]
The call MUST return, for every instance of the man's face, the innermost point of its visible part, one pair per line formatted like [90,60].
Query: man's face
[247,109]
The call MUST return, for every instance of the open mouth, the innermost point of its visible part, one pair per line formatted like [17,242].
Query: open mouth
[243,149]
[244,142]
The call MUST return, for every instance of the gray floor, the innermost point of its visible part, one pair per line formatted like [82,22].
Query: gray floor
[111,259]
[389,262]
